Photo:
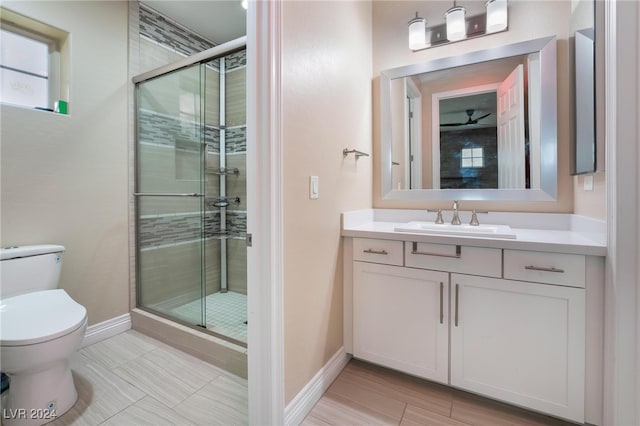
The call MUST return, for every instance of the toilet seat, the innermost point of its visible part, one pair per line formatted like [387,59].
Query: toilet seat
[38,317]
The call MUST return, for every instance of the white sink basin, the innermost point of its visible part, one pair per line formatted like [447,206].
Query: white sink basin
[491,231]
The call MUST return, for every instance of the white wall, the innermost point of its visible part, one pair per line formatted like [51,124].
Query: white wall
[326,97]
[64,178]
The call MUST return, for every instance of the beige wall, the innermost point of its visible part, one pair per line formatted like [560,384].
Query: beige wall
[527,20]
[326,74]
[64,178]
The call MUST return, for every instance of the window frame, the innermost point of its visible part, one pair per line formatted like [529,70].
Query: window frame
[57,42]
[472,157]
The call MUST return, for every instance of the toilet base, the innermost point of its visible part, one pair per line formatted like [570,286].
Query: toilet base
[38,398]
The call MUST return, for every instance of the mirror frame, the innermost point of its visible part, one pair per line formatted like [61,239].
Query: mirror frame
[548,190]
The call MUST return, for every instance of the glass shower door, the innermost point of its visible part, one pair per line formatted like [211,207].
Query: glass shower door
[169,195]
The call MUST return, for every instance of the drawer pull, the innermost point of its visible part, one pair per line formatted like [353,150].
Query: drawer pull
[370,251]
[441,303]
[543,269]
[424,253]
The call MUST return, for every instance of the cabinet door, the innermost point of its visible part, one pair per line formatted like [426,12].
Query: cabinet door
[400,319]
[520,342]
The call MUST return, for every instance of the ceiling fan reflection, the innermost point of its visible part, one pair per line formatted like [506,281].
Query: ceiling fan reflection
[469,121]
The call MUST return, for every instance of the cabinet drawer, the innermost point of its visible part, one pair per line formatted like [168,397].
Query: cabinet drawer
[548,268]
[454,258]
[387,252]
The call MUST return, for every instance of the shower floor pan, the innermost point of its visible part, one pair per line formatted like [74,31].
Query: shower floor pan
[226,314]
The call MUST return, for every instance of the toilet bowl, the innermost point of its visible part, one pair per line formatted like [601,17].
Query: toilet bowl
[39,331]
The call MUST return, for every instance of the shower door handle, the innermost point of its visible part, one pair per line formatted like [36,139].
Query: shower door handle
[166,194]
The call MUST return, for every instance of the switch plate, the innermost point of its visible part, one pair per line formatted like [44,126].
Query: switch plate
[314,188]
[588,183]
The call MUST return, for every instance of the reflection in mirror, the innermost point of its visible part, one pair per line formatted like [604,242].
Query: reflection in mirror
[480,125]
[583,43]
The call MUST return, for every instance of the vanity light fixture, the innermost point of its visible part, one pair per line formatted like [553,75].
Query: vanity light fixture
[458,26]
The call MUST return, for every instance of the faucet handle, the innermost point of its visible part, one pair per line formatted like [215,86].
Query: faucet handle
[439,219]
[474,219]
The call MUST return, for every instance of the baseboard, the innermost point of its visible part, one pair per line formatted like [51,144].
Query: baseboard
[304,401]
[105,329]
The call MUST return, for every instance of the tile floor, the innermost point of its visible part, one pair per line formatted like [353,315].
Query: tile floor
[226,313]
[131,379]
[364,394]
[134,380]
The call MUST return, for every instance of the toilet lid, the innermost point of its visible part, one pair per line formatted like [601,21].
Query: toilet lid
[39,316]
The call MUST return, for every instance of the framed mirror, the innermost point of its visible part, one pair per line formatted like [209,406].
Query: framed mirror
[477,126]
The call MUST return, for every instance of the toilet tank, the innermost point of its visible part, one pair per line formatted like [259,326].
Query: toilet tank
[25,269]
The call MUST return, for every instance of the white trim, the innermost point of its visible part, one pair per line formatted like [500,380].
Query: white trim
[306,399]
[98,332]
[413,133]
[265,214]
[621,387]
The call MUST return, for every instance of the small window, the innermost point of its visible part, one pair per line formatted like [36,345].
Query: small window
[24,70]
[472,158]
[34,62]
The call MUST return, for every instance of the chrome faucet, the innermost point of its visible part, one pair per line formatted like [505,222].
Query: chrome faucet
[439,220]
[474,219]
[456,219]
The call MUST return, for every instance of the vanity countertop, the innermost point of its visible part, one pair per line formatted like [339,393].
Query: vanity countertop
[548,232]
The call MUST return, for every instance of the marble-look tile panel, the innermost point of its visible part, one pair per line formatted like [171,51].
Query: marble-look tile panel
[148,412]
[156,381]
[221,402]
[119,349]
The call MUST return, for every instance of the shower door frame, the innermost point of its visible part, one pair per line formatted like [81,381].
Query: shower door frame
[201,59]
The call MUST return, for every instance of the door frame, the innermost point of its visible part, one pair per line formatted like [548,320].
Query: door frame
[265,256]
[435,122]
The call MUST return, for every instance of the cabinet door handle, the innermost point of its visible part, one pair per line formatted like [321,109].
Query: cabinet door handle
[544,269]
[441,303]
[375,251]
[456,319]
[424,253]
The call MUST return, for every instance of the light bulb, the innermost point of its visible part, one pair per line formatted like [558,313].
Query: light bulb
[496,15]
[417,33]
[456,24]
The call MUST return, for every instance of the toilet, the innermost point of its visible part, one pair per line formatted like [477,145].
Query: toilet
[40,328]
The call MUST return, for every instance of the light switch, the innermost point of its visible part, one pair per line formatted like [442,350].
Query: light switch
[588,183]
[314,189]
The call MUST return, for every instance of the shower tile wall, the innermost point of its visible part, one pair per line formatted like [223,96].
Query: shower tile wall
[170,229]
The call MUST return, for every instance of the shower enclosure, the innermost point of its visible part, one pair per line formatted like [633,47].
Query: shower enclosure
[191,191]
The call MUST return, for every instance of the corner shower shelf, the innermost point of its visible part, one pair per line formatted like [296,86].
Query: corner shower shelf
[222,201]
[225,172]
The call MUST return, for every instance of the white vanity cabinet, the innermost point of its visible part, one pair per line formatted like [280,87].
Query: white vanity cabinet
[508,324]
[401,319]
[520,342]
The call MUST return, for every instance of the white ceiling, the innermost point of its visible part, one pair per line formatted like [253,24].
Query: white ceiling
[217,20]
